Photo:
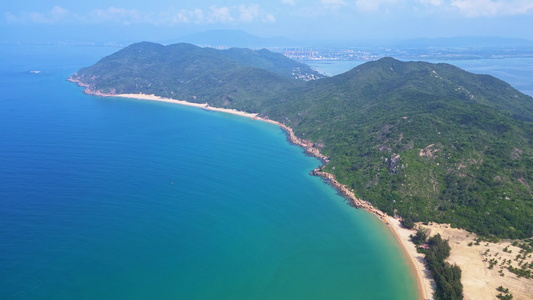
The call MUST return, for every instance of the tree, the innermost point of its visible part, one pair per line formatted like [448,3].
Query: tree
[408,223]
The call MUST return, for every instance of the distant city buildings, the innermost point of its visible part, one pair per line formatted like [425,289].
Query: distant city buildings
[318,54]
[412,53]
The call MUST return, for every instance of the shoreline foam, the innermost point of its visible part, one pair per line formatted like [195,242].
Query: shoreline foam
[425,284]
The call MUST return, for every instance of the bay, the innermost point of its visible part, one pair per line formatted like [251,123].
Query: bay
[106,198]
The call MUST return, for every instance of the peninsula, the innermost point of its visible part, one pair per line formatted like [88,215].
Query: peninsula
[418,141]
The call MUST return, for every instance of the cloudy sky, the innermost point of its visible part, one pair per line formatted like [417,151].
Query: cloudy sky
[156,20]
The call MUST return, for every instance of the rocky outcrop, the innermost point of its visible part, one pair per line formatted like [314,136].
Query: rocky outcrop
[347,193]
[90,89]
[393,165]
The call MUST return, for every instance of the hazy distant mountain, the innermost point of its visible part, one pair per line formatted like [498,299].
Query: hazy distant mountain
[234,38]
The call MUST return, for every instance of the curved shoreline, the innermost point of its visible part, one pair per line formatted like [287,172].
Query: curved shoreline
[425,285]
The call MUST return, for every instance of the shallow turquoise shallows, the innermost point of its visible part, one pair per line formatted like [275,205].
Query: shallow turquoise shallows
[107,198]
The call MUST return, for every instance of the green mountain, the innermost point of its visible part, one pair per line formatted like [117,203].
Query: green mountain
[187,72]
[429,142]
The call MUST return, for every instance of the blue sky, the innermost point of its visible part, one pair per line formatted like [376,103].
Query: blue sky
[131,20]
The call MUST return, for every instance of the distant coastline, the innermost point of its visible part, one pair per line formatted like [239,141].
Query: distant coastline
[425,284]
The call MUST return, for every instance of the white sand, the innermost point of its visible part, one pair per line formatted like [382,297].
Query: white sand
[426,284]
[201,105]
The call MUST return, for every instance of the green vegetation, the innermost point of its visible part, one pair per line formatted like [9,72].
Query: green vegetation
[523,269]
[425,141]
[502,289]
[428,141]
[237,78]
[408,223]
[504,295]
[420,237]
[492,262]
[447,277]
[521,272]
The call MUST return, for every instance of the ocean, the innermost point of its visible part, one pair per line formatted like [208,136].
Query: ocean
[108,198]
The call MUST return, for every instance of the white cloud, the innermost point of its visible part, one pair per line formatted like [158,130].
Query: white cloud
[219,15]
[372,5]
[182,16]
[248,13]
[269,18]
[431,2]
[468,8]
[59,12]
[198,15]
[212,14]
[185,16]
[288,2]
[118,15]
[487,8]
[56,15]
[333,4]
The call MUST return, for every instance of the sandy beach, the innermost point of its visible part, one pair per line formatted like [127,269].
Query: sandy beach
[169,100]
[426,284]
[479,280]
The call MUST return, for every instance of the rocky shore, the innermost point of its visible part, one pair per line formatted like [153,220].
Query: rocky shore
[327,177]
[347,193]
[88,88]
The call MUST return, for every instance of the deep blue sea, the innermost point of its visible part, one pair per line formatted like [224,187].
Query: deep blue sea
[106,198]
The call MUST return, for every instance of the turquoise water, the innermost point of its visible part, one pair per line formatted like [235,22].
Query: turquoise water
[107,198]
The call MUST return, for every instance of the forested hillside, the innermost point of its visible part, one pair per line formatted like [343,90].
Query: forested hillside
[183,71]
[430,142]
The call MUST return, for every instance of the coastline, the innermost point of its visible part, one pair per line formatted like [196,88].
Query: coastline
[425,284]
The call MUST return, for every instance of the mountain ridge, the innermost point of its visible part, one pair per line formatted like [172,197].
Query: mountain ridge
[392,130]
[195,74]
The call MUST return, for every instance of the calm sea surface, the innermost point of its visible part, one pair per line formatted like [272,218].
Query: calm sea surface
[104,198]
